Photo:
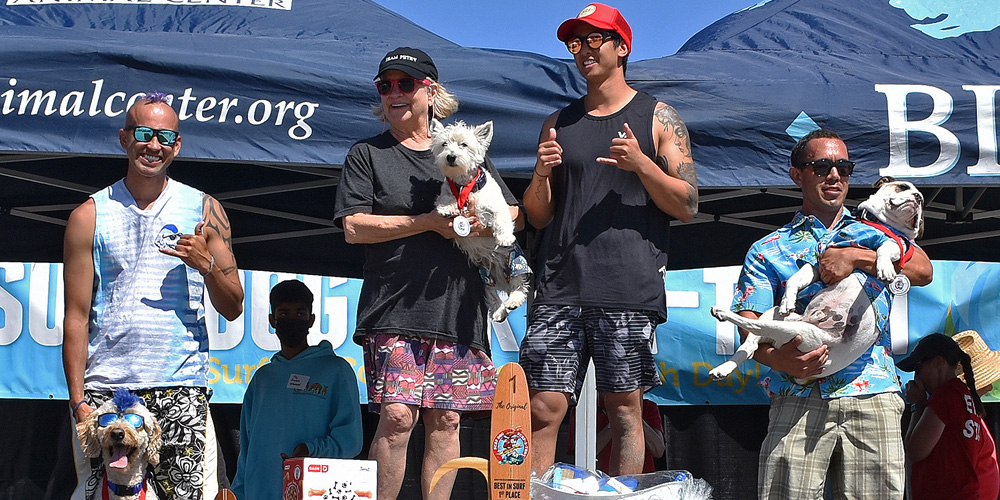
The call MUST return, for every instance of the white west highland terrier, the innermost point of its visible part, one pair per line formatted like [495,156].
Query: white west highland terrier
[460,150]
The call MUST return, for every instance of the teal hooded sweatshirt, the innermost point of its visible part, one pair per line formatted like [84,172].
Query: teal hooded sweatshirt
[312,399]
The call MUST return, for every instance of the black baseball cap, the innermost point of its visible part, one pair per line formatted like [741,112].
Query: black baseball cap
[413,62]
[935,344]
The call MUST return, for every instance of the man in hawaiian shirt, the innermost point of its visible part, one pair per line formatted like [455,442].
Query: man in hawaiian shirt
[845,427]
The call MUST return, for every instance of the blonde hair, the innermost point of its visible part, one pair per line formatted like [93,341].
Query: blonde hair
[445,104]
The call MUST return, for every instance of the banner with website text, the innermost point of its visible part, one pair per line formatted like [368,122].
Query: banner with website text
[964,295]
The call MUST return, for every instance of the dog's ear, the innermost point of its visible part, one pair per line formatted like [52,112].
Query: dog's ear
[883,180]
[920,223]
[485,133]
[86,431]
[436,126]
[155,442]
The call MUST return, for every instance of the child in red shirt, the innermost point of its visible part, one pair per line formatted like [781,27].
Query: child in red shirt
[952,453]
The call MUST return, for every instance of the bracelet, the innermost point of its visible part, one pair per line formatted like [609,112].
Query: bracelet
[211,265]
[540,175]
[77,407]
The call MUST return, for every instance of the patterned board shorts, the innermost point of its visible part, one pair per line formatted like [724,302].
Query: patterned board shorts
[182,413]
[561,340]
[427,373]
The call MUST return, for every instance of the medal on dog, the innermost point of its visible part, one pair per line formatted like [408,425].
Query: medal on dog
[900,285]
[461,226]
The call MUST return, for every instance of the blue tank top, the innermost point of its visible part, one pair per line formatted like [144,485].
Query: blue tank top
[607,243]
[147,320]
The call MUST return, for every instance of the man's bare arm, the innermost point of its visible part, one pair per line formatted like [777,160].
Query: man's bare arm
[837,263]
[673,156]
[539,204]
[78,287]
[223,278]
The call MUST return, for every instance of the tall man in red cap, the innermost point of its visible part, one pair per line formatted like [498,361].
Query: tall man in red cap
[613,169]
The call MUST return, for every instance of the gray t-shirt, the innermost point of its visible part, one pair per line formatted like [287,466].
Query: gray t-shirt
[421,285]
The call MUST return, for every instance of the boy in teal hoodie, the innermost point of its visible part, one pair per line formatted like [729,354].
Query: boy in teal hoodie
[304,403]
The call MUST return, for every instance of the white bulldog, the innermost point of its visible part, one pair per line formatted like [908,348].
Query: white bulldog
[840,316]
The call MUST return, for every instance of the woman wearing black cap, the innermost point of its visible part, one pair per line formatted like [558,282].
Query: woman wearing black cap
[422,310]
[951,453]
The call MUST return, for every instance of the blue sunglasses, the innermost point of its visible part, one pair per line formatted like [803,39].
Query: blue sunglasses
[165,137]
[133,419]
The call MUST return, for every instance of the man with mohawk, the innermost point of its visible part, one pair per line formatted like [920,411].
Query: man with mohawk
[138,257]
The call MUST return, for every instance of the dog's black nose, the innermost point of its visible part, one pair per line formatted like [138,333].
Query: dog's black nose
[451,159]
[117,434]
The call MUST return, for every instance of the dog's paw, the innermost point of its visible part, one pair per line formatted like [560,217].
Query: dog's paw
[500,315]
[886,272]
[505,240]
[447,210]
[786,306]
[720,314]
[514,300]
[722,371]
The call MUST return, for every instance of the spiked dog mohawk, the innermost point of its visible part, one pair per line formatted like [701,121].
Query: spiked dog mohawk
[124,399]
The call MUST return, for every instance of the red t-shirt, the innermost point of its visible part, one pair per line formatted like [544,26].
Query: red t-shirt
[963,463]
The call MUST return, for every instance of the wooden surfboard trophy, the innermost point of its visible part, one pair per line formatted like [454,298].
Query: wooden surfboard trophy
[508,471]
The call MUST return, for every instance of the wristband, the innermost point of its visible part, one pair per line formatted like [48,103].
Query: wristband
[540,175]
[77,407]
[211,265]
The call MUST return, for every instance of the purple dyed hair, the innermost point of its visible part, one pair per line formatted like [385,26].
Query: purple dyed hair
[153,97]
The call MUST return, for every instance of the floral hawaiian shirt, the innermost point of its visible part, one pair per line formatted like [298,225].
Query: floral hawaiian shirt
[769,264]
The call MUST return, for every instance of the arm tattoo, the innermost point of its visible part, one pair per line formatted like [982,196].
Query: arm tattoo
[673,125]
[216,220]
[687,173]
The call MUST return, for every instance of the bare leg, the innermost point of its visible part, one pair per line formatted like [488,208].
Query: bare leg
[547,411]
[440,445]
[388,448]
[627,445]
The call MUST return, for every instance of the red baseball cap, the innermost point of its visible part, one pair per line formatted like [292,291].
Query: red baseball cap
[599,16]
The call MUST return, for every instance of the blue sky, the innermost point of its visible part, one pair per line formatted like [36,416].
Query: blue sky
[659,27]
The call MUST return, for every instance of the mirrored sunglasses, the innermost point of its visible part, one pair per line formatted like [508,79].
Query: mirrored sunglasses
[405,85]
[165,137]
[133,419]
[593,40]
[822,167]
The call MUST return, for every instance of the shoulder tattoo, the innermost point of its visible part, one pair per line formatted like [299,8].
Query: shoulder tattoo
[216,220]
[673,126]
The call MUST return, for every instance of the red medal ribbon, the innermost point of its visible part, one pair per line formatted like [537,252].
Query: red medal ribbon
[906,251]
[463,197]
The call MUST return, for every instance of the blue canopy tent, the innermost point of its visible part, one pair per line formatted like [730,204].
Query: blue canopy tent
[273,92]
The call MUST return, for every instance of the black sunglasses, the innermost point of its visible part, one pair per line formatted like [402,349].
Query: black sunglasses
[822,167]
[593,40]
[165,137]
[406,85]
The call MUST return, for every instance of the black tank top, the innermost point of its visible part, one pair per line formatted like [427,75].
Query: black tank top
[607,243]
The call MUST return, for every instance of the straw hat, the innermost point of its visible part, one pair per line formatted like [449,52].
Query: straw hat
[985,362]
